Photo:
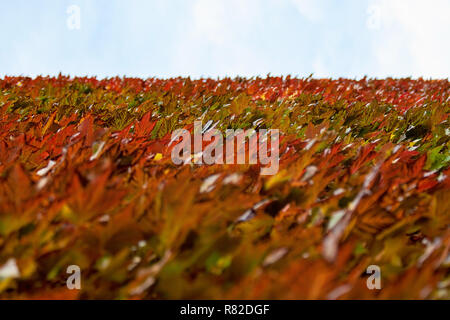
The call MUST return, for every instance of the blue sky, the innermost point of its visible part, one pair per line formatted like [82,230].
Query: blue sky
[217,38]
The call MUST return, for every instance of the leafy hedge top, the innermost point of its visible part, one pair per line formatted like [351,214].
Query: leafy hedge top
[86,179]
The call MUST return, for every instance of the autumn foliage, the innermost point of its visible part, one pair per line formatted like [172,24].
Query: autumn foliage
[86,179]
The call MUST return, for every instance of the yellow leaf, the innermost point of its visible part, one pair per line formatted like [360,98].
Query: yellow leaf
[158,157]
[48,124]
[280,177]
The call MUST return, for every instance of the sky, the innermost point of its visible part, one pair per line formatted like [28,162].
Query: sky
[218,38]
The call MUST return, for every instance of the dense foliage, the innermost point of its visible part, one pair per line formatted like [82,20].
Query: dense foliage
[86,179]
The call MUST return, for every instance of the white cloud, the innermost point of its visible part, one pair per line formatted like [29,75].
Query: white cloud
[210,21]
[319,68]
[216,40]
[413,38]
[311,9]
